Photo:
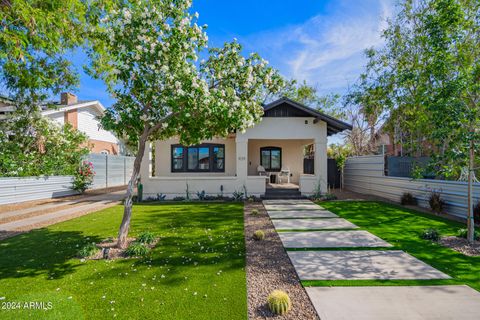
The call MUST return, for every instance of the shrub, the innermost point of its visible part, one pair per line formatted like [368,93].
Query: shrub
[201,195]
[279,302]
[259,235]
[408,199]
[146,237]
[46,148]
[161,197]
[210,198]
[430,234]
[255,212]
[137,249]
[83,177]
[179,198]
[462,233]
[88,250]
[436,202]
[329,196]
[251,199]
[237,195]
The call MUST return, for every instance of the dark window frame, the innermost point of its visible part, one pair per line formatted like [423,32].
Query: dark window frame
[269,169]
[211,157]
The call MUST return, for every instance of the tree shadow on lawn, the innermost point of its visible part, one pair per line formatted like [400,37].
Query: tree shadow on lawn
[49,252]
[190,235]
[41,251]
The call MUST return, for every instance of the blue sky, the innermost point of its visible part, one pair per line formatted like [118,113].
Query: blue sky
[320,41]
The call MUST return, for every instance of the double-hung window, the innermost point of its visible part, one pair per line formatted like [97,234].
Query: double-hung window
[201,158]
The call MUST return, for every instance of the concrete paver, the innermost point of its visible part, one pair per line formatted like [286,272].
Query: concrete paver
[312,224]
[361,265]
[331,239]
[301,214]
[396,303]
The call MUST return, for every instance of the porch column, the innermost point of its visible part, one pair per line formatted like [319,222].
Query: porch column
[242,160]
[320,164]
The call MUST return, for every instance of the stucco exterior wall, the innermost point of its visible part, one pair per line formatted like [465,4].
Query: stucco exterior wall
[292,155]
[163,164]
[242,156]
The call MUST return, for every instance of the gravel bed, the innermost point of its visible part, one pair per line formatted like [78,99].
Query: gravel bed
[461,245]
[269,268]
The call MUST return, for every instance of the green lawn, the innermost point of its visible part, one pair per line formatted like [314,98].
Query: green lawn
[401,227]
[196,271]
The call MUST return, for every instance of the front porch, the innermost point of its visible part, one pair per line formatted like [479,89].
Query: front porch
[286,152]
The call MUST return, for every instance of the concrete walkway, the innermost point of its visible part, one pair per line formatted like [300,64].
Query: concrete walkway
[372,303]
[15,221]
[396,303]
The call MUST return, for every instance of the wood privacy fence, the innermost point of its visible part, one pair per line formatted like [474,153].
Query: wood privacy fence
[110,171]
[365,175]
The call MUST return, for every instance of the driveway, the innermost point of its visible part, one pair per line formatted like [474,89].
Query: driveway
[16,221]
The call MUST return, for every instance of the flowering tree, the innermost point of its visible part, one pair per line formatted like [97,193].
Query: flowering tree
[147,54]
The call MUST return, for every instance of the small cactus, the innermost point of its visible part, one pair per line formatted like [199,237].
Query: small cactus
[279,302]
[259,235]
[255,212]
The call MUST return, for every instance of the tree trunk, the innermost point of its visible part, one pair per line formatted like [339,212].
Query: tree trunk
[127,211]
[470,217]
[341,178]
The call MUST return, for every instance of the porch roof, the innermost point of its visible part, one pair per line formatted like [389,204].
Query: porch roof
[285,107]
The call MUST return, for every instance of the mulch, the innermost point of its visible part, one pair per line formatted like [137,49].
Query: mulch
[461,245]
[269,268]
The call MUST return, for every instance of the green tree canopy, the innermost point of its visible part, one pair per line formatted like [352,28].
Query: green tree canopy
[147,53]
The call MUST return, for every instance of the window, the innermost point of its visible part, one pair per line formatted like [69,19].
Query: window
[177,158]
[219,158]
[271,158]
[201,158]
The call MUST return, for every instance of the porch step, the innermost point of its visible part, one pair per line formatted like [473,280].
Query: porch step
[283,194]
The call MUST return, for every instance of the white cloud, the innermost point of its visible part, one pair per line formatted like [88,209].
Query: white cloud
[327,50]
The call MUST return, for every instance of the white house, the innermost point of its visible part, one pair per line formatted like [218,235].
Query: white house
[82,115]
[267,158]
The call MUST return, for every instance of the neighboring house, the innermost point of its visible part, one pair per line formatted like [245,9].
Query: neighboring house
[82,115]
[253,161]
[393,143]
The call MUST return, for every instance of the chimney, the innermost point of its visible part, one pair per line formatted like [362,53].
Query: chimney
[67,98]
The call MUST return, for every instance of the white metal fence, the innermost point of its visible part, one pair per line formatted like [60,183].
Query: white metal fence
[366,175]
[110,171]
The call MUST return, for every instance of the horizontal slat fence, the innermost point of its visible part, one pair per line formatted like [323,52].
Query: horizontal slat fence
[110,171]
[366,175]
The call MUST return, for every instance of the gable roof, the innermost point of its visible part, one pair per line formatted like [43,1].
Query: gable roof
[285,107]
[7,105]
[78,105]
